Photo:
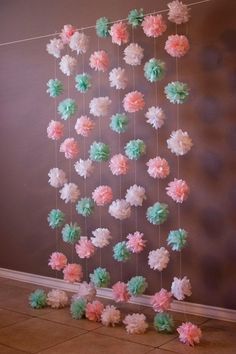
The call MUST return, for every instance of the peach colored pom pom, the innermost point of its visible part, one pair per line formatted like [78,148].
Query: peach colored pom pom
[99,61]
[119,33]
[177,45]
[102,195]
[84,125]
[73,272]
[178,190]
[189,333]
[94,311]
[135,242]
[70,148]
[84,248]
[55,130]
[120,292]
[154,26]
[119,165]
[161,301]
[133,102]
[158,167]
[66,33]
[57,261]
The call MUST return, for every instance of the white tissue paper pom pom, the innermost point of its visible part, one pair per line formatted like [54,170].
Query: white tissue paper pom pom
[101,237]
[179,142]
[156,117]
[99,106]
[79,42]
[135,323]
[158,259]
[120,209]
[67,64]
[57,177]
[70,192]
[178,12]
[110,316]
[181,288]
[118,78]
[57,299]
[133,54]
[135,195]
[54,47]
[86,291]
[84,168]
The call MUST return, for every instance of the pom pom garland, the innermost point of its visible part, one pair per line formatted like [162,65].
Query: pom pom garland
[135,195]
[86,291]
[85,248]
[110,316]
[71,233]
[118,78]
[38,299]
[135,323]
[119,33]
[84,125]
[178,12]
[120,209]
[83,82]
[70,148]
[67,65]
[158,168]
[134,149]
[121,252]
[156,117]
[158,213]
[154,70]
[177,45]
[135,17]
[189,333]
[99,61]
[101,237]
[85,206]
[133,102]
[181,288]
[179,142]
[84,168]
[158,259]
[137,285]
[54,47]
[100,277]
[56,218]
[66,33]
[55,88]
[119,123]
[67,108]
[77,308]
[99,151]
[99,106]
[102,195]
[119,165]
[79,42]
[154,26]
[177,92]
[102,27]
[94,311]
[57,177]
[161,301]
[163,322]
[135,242]
[73,272]
[177,239]
[57,299]
[57,261]
[133,54]
[70,192]
[178,190]
[120,292]
[55,130]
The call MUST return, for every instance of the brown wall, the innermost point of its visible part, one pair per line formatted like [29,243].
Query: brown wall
[209,116]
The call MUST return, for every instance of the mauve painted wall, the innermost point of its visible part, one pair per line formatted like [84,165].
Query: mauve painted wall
[209,116]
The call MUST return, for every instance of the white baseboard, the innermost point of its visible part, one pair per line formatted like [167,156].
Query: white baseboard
[144,300]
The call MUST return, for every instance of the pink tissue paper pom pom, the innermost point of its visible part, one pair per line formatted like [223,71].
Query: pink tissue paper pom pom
[85,290]
[133,102]
[84,168]
[70,148]
[54,47]
[177,45]
[102,237]
[181,288]
[133,54]
[178,190]
[110,316]
[67,64]
[99,61]
[158,259]
[57,177]
[154,26]
[94,311]
[179,142]
[73,272]
[79,42]
[118,78]
[161,301]
[135,195]
[57,261]
[57,299]
[120,292]
[84,125]
[156,117]
[99,106]
[119,33]
[55,130]
[70,192]
[102,195]
[135,242]
[189,333]
[84,248]
[158,167]
[119,165]
[120,209]
[135,323]
[66,33]
[178,12]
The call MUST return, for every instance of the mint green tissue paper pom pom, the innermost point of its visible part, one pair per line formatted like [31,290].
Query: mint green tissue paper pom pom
[137,285]
[135,17]
[100,277]
[134,149]
[121,252]
[77,308]
[163,322]
[56,218]
[83,82]
[99,152]
[38,299]
[177,92]
[154,70]
[102,27]
[71,233]
[177,239]
[119,123]
[157,213]
[55,87]
[67,108]
[85,206]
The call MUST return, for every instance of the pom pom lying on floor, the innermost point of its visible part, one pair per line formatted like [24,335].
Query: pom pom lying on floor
[119,165]
[158,168]
[102,237]
[135,323]
[100,277]
[110,316]
[57,299]
[177,45]
[102,195]
[177,92]
[57,177]
[67,65]
[181,288]
[57,261]
[137,285]
[99,61]
[164,323]
[79,42]
[86,291]
[67,108]
[99,151]
[71,233]
[84,125]
[84,168]
[177,239]
[99,106]
[120,209]
[54,47]
[119,33]
[83,82]
[133,102]
[120,292]
[85,206]
[189,333]
[135,195]
[121,252]
[102,27]
[73,272]
[118,78]
[161,301]
[154,26]
[84,248]
[38,299]
[119,123]
[179,142]
[133,54]
[70,192]
[94,310]
[178,190]
[134,149]
[135,17]
[158,213]
[154,70]
[135,242]
[56,218]
[178,12]
[156,117]
[158,259]
[70,148]
[77,308]
[55,87]
[55,130]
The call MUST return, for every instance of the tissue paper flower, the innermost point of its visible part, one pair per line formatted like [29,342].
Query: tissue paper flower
[70,192]
[118,165]
[164,323]
[100,277]
[67,65]
[120,209]
[118,78]
[67,108]
[85,206]
[57,299]
[84,168]
[137,285]
[57,261]
[177,92]
[102,27]
[181,288]
[177,239]
[133,54]
[154,70]
[57,177]
[110,316]
[134,149]
[135,195]
[158,168]
[119,123]
[83,82]
[135,323]
[154,26]
[55,88]
[99,151]
[102,237]
[178,12]
[66,33]
[121,252]
[71,233]
[79,42]
[189,333]
[38,299]
[156,117]
[161,301]
[133,102]
[54,47]
[77,308]
[73,272]
[99,106]
[135,242]
[70,148]
[94,310]
[158,259]
[177,45]
[99,61]
[158,213]
[179,142]
[85,248]
[56,218]
[178,190]
[102,195]
[86,291]
[120,292]
[55,130]
[84,125]
[119,33]
[135,17]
